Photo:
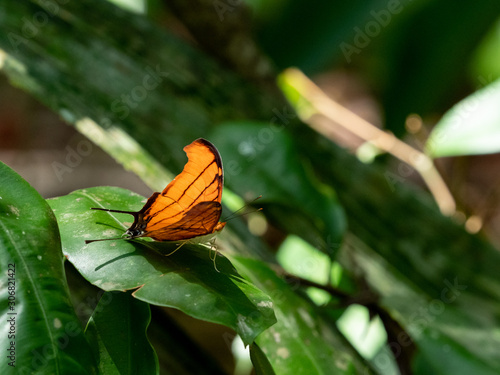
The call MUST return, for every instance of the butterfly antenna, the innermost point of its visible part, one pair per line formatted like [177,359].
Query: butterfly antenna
[235,213]
[117,211]
[104,239]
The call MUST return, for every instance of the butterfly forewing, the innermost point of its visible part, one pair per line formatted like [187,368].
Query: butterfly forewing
[201,179]
[190,205]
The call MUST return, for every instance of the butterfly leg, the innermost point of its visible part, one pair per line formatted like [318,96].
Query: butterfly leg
[213,248]
[177,248]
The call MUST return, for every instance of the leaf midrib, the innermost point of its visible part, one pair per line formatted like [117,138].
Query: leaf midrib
[36,292]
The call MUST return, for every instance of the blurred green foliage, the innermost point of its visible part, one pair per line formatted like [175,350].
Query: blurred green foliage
[416,55]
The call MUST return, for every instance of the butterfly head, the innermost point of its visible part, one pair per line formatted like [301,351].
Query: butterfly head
[133,233]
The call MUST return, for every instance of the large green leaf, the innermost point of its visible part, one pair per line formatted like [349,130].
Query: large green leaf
[40,331]
[301,342]
[470,127]
[186,280]
[260,159]
[117,332]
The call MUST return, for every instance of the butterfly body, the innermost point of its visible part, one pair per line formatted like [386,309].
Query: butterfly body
[190,205]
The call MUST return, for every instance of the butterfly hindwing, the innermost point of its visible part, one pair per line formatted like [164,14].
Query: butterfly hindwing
[198,221]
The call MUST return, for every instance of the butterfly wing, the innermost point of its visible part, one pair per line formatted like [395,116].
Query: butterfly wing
[190,205]
[202,178]
[198,221]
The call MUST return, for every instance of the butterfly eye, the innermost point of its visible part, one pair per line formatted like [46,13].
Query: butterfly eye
[131,233]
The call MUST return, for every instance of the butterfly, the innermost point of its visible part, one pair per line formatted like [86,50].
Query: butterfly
[189,207]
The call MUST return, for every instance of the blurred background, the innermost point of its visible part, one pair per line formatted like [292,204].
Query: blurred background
[400,65]
[384,60]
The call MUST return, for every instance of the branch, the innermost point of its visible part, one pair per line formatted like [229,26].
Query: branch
[339,115]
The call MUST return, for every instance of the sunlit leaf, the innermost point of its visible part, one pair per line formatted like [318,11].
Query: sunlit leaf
[40,331]
[471,127]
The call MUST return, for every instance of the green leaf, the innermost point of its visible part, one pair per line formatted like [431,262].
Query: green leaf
[486,55]
[301,342]
[260,159]
[117,332]
[186,280]
[40,331]
[260,362]
[469,128]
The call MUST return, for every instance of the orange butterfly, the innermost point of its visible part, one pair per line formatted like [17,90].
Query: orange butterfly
[189,206]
